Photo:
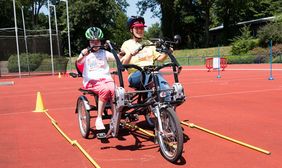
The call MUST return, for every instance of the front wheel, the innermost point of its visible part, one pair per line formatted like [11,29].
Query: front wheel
[171,139]
[83,118]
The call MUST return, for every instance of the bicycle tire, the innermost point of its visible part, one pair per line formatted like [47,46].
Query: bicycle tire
[83,119]
[171,140]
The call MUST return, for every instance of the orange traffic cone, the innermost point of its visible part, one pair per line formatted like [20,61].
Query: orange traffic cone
[39,104]
[59,75]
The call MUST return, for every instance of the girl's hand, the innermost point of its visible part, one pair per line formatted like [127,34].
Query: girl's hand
[84,52]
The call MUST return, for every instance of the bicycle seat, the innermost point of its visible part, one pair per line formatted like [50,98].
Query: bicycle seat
[79,68]
[86,91]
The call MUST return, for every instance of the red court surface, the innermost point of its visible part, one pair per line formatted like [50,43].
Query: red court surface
[243,104]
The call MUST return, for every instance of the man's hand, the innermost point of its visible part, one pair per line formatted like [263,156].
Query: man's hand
[170,50]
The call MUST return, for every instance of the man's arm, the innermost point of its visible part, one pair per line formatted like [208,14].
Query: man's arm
[127,55]
[163,56]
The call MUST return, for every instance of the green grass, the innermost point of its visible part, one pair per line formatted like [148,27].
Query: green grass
[187,56]
[207,52]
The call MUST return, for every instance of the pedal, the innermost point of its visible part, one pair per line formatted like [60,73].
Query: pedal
[132,117]
[74,75]
[135,117]
[101,135]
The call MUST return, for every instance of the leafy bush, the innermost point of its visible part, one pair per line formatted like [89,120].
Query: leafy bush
[37,62]
[242,44]
[277,53]
[33,59]
[240,59]
[260,54]
[277,49]
[277,59]
[60,64]
[259,51]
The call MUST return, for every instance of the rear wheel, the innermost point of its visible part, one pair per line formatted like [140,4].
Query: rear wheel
[83,118]
[171,139]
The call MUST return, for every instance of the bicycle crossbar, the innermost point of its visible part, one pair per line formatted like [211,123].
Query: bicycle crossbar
[191,125]
[138,91]
[146,91]
[145,132]
[138,128]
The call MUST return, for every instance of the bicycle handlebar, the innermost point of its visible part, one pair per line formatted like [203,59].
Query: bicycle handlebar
[150,67]
[89,49]
[126,66]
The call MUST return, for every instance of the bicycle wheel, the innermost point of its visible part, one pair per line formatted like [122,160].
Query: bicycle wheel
[171,140]
[83,118]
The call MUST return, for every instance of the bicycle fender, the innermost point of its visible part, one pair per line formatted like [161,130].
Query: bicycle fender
[85,102]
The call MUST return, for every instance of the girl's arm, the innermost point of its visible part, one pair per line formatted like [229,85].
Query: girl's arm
[83,53]
[110,56]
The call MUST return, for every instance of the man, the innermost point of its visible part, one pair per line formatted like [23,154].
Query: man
[136,54]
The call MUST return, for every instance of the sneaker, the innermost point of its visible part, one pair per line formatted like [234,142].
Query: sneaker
[99,124]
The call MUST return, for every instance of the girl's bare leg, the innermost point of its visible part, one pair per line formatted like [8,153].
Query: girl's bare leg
[99,123]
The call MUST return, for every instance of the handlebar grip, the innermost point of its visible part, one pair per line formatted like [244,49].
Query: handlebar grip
[89,49]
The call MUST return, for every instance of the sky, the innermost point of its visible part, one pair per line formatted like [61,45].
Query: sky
[132,10]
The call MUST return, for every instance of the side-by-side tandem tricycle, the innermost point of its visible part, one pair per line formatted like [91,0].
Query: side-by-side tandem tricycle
[150,101]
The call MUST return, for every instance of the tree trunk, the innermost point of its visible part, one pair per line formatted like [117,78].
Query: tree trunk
[168,14]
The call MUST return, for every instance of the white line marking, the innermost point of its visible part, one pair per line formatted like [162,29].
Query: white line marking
[49,109]
[254,69]
[7,83]
[6,114]
[230,93]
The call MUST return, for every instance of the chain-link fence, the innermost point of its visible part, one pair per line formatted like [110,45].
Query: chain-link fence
[34,53]
[36,58]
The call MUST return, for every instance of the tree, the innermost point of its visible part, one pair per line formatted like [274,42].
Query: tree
[31,12]
[35,6]
[178,17]
[6,13]
[167,13]
[271,31]
[206,5]
[189,23]
[230,12]
[153,31]
[108,15]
